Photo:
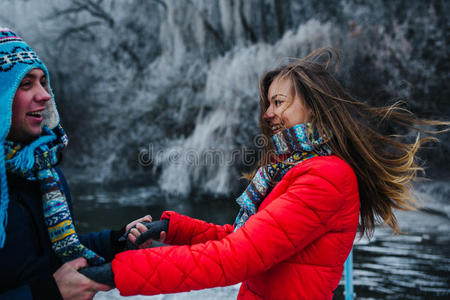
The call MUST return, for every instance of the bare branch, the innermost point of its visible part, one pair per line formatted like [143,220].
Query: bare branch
[93,8]
[132,54]
[96,10]
[81,29]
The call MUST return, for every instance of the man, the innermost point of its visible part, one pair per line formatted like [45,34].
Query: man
[40,251]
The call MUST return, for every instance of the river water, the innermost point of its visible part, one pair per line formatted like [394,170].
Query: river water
[413,265]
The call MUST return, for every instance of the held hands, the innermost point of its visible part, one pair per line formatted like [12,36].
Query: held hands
[136,228]
[73,285]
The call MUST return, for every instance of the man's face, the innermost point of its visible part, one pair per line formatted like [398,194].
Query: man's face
[28,106]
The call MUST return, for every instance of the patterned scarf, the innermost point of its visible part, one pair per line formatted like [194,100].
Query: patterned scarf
[36,161]
[302,143]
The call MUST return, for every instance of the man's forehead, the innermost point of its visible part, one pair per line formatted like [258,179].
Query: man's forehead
[35,73]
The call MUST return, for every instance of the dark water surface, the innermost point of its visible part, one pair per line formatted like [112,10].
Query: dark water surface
[414,265]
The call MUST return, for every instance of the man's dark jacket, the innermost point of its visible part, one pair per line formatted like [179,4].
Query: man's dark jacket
[27,261]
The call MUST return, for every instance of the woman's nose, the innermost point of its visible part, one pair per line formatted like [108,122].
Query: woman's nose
[269,113]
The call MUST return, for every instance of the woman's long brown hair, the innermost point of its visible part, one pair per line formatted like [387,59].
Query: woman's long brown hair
[384,164]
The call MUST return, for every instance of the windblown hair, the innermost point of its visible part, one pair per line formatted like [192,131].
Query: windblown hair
[384,164]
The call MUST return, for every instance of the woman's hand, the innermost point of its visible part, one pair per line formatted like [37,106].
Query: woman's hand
[139,229]
[135,232]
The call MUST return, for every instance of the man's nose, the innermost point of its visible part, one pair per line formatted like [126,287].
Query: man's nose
[43,94]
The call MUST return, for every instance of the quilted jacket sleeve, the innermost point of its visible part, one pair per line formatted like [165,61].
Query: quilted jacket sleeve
[184,230]
[282,228]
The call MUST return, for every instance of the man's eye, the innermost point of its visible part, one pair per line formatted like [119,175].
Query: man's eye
[25,84]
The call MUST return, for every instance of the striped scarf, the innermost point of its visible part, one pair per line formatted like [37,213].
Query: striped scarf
[301,142]
[36,161]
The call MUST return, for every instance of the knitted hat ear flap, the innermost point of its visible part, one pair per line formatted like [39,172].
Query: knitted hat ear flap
[50,114]
[16,60]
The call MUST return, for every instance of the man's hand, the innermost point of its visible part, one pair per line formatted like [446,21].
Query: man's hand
[139,229]
[73,285]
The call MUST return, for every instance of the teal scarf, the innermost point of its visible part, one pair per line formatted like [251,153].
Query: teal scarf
[36,161]
[301,142]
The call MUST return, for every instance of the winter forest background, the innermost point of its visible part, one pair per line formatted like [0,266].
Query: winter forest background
[140,83]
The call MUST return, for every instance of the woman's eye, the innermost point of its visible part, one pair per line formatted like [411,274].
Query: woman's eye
[277,102]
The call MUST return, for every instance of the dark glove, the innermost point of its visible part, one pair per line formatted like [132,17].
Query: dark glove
[101,274]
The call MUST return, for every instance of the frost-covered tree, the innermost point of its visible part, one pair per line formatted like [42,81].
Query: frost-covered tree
[178,76]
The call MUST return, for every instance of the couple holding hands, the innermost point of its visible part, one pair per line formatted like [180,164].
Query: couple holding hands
[327,169]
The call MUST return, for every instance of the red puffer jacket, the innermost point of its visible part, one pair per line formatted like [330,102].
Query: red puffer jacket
[294,247]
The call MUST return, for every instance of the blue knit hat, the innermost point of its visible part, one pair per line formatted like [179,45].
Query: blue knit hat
[16,60]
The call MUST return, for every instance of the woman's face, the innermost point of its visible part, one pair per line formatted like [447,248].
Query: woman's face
[285,109]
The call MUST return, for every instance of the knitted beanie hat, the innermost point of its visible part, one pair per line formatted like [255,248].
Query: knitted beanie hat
[16,60]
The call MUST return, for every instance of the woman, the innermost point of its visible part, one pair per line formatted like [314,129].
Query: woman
[326,166]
